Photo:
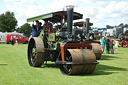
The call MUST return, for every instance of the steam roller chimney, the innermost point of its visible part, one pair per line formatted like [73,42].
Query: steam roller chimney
[87,25]
[69,19]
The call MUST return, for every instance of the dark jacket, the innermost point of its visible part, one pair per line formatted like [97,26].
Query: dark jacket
[35,32]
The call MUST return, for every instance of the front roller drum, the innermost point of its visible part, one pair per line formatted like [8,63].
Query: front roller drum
[97,50]
[35,54]
[83,62]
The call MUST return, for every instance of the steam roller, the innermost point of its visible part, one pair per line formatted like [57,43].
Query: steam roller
[66,46]
[95,44]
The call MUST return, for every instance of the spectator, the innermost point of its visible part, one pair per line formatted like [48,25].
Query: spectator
[16,40]
[111,46]
[12,40]
[102,44]
[30,37]
[116,45]
[0,40]
[107,41]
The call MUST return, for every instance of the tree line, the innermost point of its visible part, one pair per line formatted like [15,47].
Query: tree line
[8,23]
[120,25]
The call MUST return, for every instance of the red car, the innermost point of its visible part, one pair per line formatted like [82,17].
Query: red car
[20,38]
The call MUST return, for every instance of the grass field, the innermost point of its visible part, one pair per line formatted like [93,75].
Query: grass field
[15,70]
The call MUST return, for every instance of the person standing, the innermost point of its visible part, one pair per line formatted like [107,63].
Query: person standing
[12,40]
[116,45]
[36,29]
[107,41]
[0,39]
[111,46]
[102,44]
[16,40]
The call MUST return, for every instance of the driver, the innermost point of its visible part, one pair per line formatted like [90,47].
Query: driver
[48,26]
[36,29]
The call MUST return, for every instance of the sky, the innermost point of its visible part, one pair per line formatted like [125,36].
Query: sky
[100,12]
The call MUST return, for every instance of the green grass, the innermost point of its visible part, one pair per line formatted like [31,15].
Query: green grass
[15,70]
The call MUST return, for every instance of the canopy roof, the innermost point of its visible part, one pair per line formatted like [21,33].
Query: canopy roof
[80,24]
[55,16]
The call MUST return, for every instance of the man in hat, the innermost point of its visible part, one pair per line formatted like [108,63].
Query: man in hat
[36,29]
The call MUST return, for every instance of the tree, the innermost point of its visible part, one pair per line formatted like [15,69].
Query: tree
[108,27]
[121,24]
[26,29]
[126,25]
[8,22]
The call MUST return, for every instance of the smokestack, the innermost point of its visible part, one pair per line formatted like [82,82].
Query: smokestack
[122,29]
[69,18]
[87,25]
